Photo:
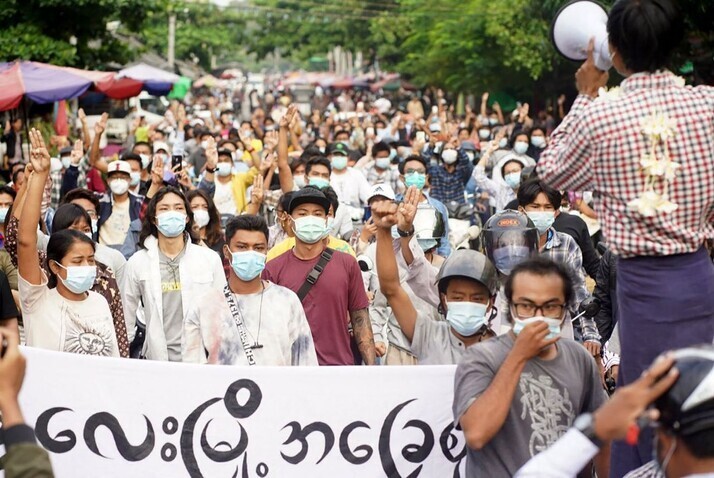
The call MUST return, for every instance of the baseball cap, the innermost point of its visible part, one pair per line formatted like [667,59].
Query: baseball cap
[118,166]
[384,190]
[65,151]
[338,148]
[309,196]
[468,146]
[160,145]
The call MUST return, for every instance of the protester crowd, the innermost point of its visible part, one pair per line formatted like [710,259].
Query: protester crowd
[394,230]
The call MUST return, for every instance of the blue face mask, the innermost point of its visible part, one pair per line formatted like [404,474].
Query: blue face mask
[247,264]
[171,223]
[382,163]
[543,220]
[339,162]
[318,182]
[520,147]
[513,179]
[79,278]
[417,180]
[3,213]
[310,229]
[508,257]
[553,325]
[466,318]
[427,244]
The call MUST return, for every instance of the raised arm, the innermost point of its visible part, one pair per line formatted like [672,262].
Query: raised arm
[85,129]
[284,173]
[28,260]
[95,158]
[256,196]
[385,216]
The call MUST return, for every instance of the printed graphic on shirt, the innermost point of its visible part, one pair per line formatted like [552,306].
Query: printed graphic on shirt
[170,286]
[87,339]
[549,410]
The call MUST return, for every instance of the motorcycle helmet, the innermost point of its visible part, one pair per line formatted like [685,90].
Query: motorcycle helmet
[688,406]
[471,265]
[509,237]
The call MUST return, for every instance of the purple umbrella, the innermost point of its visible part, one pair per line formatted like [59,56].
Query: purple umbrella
[156,82]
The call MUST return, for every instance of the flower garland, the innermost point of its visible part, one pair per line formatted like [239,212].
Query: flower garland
[658,168]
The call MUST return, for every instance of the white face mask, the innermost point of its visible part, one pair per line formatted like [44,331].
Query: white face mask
[223,169]
[135,178]
[119,186]
[55,165]
[449,156]
[520,147]
[204,144]
[201,218]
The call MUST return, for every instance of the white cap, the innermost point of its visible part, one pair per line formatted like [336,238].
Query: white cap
[118,166]
[160,145]
[382,189]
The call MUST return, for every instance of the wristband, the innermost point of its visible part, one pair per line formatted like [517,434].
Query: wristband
[405,233]
[211,170]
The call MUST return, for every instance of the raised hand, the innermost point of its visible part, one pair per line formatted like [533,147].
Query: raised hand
[211,153]
[157,170]
[407,209]
[268,162]
[288,117]
[81,115]
[77,152]
[256,194]
[384,214]
[39,156]
[589,78]
[484,97]
[101,124]
[561,100]
[182,177]
[524,112]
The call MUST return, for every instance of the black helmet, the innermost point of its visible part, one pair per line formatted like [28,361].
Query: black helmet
[509,238]
[688,406]
[471,265]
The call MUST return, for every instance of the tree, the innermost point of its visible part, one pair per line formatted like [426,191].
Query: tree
[68,32]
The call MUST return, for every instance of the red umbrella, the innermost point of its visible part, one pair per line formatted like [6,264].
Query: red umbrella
[107,83]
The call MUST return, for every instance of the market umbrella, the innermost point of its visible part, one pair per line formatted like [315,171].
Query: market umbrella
[156,82]
[39,82]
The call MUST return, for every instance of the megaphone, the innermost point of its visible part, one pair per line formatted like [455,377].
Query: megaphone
[573,27]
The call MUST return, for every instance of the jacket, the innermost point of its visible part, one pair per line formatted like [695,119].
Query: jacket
[240,183]
[605,292]
[24,459]
[200,269]
[106,203]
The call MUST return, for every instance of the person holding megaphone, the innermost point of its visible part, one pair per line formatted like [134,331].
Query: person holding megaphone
[646,149]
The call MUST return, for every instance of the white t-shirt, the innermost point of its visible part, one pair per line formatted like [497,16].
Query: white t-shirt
[351,187]
[55,323]
[223,197]
[113,231]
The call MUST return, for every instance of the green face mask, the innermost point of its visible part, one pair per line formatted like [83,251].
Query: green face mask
[318,182]
[415,179]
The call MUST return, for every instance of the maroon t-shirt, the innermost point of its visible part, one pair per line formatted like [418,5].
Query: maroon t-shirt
[338,291]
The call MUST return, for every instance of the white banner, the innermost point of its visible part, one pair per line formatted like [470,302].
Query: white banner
[103,417]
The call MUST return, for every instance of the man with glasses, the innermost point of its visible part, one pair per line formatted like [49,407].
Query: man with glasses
[516,394]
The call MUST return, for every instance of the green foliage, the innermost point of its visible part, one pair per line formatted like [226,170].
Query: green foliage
[41,30]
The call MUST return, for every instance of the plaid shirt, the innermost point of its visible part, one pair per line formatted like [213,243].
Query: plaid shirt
[648,470]
[389,176]
[563,249]
[598,148]
[446,186]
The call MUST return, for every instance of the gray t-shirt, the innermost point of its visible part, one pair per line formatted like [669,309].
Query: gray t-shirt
[549,396]
[433,342]
[172,305]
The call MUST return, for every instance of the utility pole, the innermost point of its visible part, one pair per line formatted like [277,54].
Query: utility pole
[171,40]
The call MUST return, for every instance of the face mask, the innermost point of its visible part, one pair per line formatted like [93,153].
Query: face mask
[466,318]
[513,179]
[553,325]
[89,235]
[508,257]
[339,162]
[417,180]
[322,150]
[201,218]
[330,224]
[204,144]
[66,162]
[310,229]
[145,160]
[79,278]
[538,141]
[543,220]
[135,178]
[299,181]
[223,169]
[503,143]
[382,163]
[171,223]
[449,156]
[95,226]
[664,463]
[247,264]
[493,121]
[427,244]
[119,186]
[55,165]
[520,147]
[3,213]
[381,132]
[484,134]
[471,155]
[320,183]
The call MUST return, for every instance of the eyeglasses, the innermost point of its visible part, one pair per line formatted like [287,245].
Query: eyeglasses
[526,310]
